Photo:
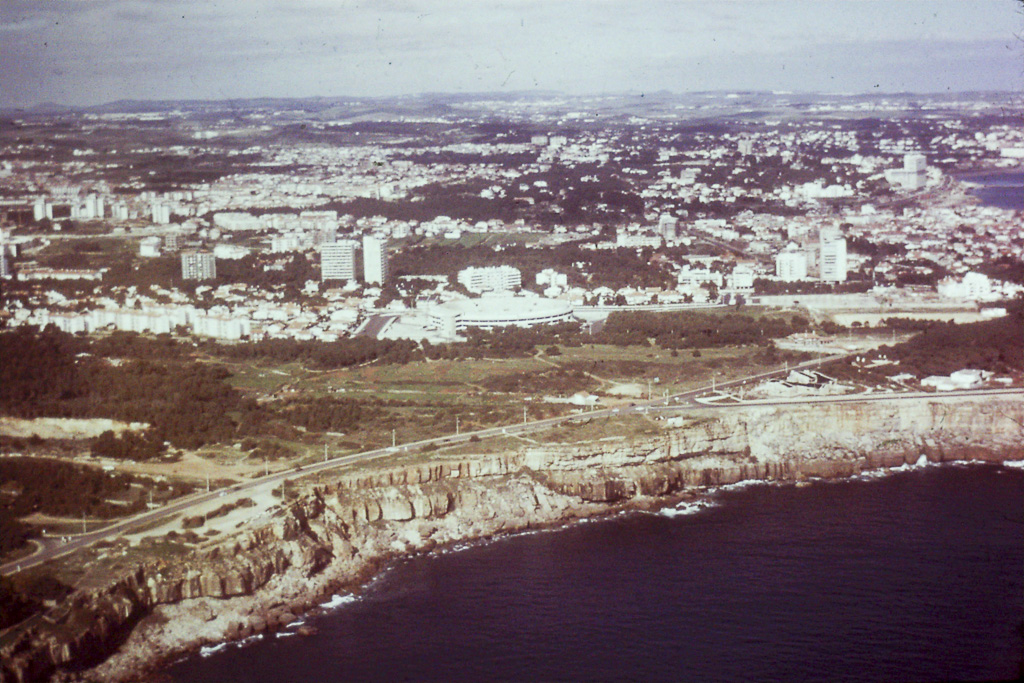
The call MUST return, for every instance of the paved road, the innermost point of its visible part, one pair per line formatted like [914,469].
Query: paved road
[51,548]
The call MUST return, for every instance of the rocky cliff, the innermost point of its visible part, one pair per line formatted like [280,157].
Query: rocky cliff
[338,533]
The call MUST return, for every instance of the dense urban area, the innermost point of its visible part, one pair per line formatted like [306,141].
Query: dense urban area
[197,294]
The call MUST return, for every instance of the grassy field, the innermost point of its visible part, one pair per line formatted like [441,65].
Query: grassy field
[425,399]
[255,377]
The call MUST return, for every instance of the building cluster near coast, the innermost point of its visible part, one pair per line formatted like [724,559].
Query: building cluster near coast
[284,359]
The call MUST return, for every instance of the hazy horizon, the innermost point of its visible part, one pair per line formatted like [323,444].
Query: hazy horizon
[91,52]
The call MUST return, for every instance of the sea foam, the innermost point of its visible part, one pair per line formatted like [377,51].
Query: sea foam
[337,601]
[686,508]
[207,650]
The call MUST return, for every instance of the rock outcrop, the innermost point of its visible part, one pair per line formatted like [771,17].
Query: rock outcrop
[344,530]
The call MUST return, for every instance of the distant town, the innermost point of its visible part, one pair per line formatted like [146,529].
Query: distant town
[420,218]
[254,350]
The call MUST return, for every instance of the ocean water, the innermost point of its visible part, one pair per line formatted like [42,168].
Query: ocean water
[915,576]
[1004,189]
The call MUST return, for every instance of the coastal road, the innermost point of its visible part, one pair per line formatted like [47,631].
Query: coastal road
[49,548]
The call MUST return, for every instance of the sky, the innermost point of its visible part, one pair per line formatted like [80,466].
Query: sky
[85,52]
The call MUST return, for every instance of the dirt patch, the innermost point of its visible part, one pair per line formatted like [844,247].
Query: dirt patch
[64,428]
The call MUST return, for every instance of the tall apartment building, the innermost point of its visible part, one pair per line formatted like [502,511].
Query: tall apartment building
[161,213]
[198,265]
[791,266]
[338,260]
[667,227]
[833,256]
[913,175]
[375,260]
[494,278]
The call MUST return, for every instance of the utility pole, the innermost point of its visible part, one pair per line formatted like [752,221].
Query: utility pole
[207,483]
[266,468]
[392,438]
[524,414]
[456,425]
[83,521]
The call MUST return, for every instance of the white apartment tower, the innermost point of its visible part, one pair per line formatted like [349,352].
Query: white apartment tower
[338,261]
[791,265]
[198,265]
[375,260]
[667,227]
[833,256]
[161,213]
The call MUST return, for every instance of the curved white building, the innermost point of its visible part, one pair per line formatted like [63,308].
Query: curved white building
[497,311]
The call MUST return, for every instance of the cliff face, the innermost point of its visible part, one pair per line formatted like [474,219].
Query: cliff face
[343,531]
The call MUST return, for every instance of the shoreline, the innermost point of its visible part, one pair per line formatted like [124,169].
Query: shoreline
[654,507]
[339,535]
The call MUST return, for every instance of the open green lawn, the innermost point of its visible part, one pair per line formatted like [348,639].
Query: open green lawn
[425,399]
[684,371]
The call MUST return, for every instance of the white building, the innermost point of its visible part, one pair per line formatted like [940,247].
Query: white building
[693,278]
[285,243]
[119,211]
[791,265]
[375,260]
[913,175]
[667,227]
[973,287]
[149,247]
[237,220]
[741,278]
[490,279]
[94,206]
[198,265]
[338,261]
[231,252]
[39,211]
[221,326]
[833,256]
[489,312]
[161,213]
[552,278]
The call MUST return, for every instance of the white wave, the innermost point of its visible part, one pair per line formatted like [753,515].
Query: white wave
[745,484]
[922,462]
[295,624]
[686,508]
[1016,464]
[284,634]
[335,602]
[207,650]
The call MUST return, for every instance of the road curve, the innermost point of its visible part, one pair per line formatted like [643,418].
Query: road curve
[50,549]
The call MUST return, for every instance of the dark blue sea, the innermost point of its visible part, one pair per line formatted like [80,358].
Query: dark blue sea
[1003,189]
[916,576]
